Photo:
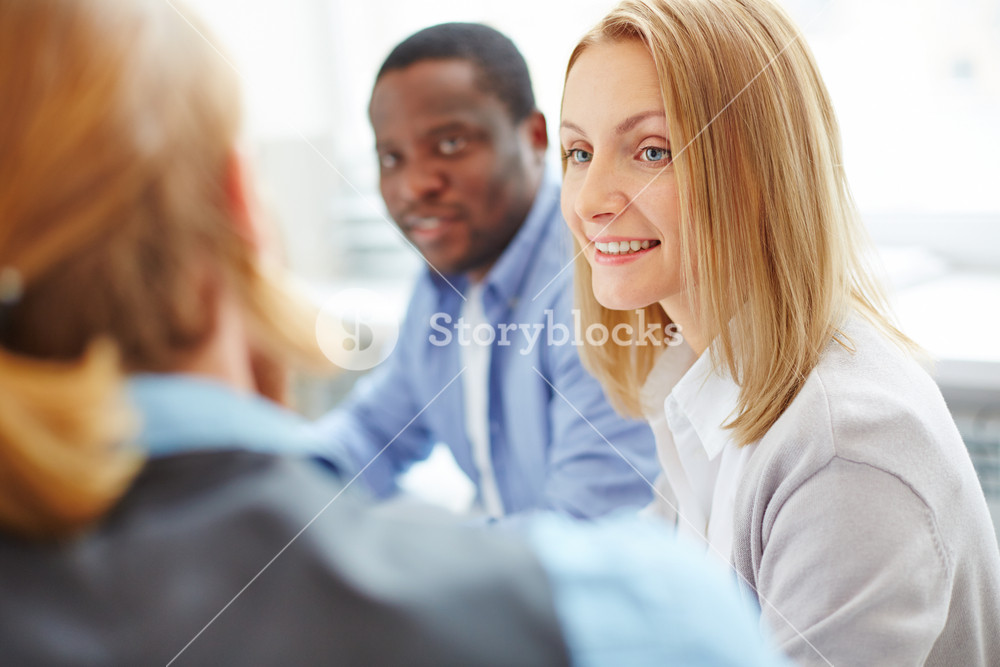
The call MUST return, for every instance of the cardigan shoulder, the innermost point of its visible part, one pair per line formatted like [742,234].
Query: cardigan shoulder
[861,503]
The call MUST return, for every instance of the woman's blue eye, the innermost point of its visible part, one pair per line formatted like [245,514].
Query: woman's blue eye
[653,154]
[578,155]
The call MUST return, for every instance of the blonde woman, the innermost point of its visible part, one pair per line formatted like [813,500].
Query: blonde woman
[153,505]
[799,439]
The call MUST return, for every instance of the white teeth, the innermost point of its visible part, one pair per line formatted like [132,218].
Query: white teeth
[621,247]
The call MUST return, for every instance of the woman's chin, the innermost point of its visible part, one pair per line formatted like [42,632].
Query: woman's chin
[618,301]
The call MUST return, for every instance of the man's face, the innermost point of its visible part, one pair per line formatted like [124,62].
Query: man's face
[457,174]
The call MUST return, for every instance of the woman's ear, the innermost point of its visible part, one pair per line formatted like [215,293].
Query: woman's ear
[239,197]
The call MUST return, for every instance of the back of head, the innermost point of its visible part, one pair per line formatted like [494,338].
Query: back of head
[118,126]
[118,120]
[773,245]
[502,69]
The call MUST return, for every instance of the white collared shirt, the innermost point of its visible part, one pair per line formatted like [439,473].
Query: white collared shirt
[686,403]
[475,383]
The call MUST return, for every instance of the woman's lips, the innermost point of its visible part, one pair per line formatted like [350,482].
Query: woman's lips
[622,250]
[624,247]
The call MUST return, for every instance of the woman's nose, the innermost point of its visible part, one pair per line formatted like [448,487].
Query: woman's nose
[600,197]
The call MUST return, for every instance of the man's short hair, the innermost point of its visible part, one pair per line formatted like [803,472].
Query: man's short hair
[502,70]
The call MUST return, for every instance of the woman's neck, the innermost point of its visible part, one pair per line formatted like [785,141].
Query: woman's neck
[680,313]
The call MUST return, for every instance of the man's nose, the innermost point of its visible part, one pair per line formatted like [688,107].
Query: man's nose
[421,180]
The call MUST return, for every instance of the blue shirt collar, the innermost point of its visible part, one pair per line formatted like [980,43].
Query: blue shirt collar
[184,413]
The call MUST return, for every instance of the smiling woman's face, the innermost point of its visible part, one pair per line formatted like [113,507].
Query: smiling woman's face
[619,194]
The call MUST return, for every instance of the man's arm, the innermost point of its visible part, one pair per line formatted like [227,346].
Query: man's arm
[378,424]
[599,461]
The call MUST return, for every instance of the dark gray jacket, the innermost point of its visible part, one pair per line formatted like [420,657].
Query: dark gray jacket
[192,569]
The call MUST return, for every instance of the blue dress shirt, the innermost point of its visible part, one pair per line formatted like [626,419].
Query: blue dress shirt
[556,443]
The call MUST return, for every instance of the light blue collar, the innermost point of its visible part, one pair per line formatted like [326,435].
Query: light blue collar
[184,413]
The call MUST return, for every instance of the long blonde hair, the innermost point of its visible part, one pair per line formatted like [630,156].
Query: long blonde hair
[775,250]
[117,124]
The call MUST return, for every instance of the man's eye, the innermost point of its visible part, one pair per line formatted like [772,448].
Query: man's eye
[578,155]
[654,154]
[451,145]
[388,160]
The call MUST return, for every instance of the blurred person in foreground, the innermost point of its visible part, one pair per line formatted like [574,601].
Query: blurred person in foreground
[488,355]
[155,507]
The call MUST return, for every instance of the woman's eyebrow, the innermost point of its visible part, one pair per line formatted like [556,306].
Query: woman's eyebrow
[571,126]
[622,127]
[632,121]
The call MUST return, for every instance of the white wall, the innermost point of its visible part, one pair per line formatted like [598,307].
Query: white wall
[916,85]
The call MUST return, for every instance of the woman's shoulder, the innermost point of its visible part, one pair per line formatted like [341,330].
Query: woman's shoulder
[862,482]
[880,406]
[867,415]
[866,402]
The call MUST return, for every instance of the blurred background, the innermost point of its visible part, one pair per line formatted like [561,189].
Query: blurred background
[916,86]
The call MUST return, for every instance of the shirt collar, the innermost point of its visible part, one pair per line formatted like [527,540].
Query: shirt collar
[183,413]
[669,367]
[706,398]
[507,274]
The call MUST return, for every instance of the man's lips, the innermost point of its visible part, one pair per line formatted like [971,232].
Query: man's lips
[428,222]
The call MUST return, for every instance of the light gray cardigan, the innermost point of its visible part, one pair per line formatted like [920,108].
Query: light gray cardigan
[860,523]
